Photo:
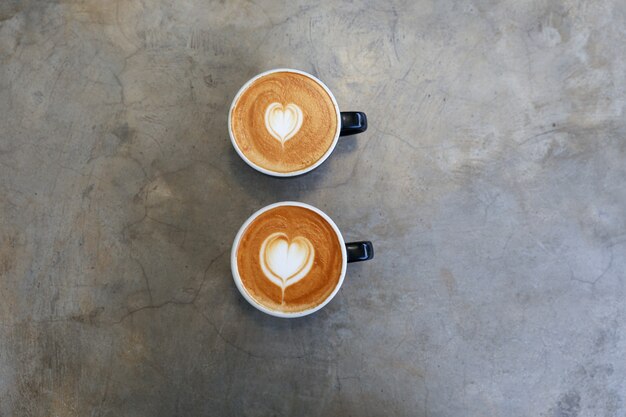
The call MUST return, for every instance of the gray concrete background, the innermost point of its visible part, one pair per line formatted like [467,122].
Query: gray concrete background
[492,181]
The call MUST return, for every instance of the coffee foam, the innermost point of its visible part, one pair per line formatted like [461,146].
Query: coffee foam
[289,259]
[284,122]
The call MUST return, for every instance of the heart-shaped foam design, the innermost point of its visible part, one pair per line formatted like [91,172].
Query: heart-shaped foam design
[284,261]
[283,122]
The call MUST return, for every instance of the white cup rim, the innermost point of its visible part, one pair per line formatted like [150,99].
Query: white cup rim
[269,171]
[235,270]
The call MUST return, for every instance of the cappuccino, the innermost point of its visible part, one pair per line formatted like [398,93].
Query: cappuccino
[284,122]
[289,259]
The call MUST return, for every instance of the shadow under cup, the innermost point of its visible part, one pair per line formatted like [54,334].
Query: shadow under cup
[286,122]
[289,259]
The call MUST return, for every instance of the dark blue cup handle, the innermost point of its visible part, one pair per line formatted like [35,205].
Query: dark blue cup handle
[353,122]
[359,251]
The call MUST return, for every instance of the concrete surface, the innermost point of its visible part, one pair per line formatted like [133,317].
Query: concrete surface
[492,181]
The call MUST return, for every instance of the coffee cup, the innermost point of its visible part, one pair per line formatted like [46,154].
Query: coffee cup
[285,122]
[289,259]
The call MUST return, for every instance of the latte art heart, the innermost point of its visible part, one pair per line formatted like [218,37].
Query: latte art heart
[283,122]
[284,261]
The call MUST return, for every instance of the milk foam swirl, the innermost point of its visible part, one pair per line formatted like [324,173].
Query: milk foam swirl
[285,261]
[283,122]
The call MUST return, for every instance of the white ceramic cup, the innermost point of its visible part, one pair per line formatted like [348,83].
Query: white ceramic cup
[351,252]
[348,123]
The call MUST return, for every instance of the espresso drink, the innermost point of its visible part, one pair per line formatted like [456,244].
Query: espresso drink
[289,259]
[284,122]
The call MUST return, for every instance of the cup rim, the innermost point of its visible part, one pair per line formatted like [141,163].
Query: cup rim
[235,270]
[266,171]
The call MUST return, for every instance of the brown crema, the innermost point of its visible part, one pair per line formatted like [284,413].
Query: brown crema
[317,285]
[308,145]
